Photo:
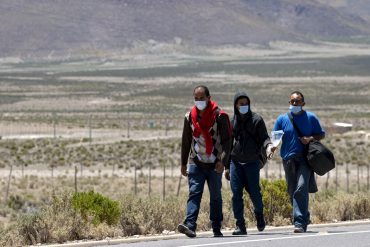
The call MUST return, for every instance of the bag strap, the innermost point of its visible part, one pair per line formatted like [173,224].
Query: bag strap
[294,125]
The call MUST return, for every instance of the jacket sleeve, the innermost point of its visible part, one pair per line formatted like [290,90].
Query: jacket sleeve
[262,134]
[226,139]
[186,142]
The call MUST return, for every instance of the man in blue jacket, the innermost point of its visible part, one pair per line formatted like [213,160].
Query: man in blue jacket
[299,176]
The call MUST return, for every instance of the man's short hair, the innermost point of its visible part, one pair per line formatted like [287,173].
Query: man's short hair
[299,93]
[206,90]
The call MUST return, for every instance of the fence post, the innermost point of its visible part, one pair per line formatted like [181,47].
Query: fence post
[327,180]
[166,126]
[54,125]
[164,181]
[267,171]
[90,116]
[8,185]
[135,179]
[368,173]
[128,121]
[358,178]
[150,178]
[280,173]
[347,174]
[179,186]
[75,179]
[336,178]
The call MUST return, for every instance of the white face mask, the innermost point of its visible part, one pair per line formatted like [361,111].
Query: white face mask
[295,108]
[243,109]
[200,104]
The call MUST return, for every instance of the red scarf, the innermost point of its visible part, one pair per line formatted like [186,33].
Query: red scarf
[204,125]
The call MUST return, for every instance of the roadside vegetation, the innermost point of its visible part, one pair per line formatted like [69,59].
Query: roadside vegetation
[91,151]
[90,215]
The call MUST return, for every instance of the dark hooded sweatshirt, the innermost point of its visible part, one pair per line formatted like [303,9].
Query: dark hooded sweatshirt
[249,134]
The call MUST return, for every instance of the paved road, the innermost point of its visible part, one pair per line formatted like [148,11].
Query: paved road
[329,235]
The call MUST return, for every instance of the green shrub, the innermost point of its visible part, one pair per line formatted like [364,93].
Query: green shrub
[100,208]
[276,200]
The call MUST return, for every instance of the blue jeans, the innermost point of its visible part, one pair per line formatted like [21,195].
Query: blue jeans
[196,179]
[297,175]
[246,177]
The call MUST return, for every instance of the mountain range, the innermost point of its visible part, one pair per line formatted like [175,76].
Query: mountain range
[42,27]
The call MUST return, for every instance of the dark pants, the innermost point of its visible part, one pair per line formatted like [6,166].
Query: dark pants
[196,179]
[297,174]
[246,177]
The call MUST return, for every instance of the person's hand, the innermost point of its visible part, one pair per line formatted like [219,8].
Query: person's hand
[227,174]
[219,168]
[306,139]
[184,170]
[270,150]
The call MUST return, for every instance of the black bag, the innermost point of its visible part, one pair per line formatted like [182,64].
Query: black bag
[319,157]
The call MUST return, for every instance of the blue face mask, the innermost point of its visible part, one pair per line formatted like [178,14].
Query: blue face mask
[243,109]
[295,108]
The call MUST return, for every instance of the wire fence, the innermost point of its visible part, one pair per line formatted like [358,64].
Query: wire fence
[112,127]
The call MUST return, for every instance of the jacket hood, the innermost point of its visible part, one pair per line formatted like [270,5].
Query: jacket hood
[238,96]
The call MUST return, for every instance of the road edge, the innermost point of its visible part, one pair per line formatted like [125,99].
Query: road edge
[136,239]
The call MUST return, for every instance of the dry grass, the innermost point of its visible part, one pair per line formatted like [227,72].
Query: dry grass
[332,207]
[57,221]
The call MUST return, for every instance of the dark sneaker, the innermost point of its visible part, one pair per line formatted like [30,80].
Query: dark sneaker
[260,222]
[186,230]
[240,231]
[217,233]
[298,229]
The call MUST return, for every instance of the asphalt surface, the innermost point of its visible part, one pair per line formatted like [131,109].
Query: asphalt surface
[352,234]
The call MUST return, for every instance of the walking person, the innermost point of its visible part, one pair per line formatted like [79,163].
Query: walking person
[249,138]
[299,176]
[205,149]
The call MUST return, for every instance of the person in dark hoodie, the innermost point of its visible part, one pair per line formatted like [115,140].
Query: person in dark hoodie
[249,138]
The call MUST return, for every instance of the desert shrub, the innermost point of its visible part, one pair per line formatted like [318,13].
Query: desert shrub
[33,229]
[56,222]
[320,206]
[15,202]
[276,200]
[100,208]
[130,218]
[328,206]
[361,206]
[320,211]
[11,237]
[151,215]
[343,207]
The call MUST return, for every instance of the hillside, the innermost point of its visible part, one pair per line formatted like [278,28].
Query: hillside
[41,27]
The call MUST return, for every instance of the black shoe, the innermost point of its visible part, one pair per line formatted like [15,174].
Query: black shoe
[298,229]
[240,231]
[217,233]
[260,222]
[186,230]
